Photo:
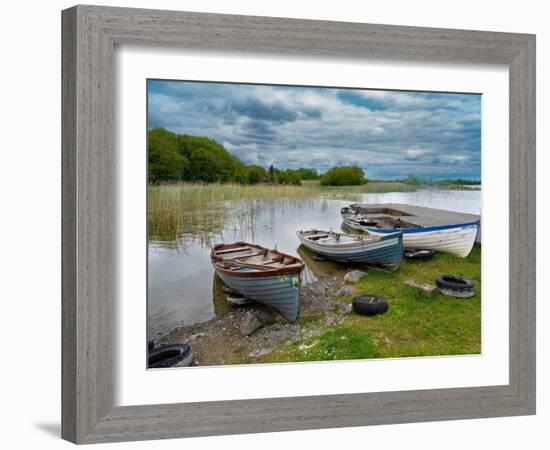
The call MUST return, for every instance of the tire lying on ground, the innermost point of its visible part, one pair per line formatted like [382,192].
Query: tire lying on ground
[455,286]
[369,305]
[227,290]
[170,355]
[418,255]
[236,299]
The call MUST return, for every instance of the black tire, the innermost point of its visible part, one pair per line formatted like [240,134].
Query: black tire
[170,355]
[227,290]
[418,255]
[369,305]
[236,299]
[455,286]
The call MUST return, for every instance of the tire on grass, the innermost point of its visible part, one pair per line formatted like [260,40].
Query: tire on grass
[369,305]
[455,286]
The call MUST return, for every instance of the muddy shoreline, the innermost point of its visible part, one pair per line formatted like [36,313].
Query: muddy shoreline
[246,333]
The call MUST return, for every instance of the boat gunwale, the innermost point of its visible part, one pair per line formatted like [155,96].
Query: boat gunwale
[359,240]
[475,223]
[294,268]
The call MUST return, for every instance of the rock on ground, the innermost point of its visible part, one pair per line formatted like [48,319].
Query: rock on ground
[345,290]
[316,289]
[354,275]
[346,309]
[251,322]
[259,352]
[428,289]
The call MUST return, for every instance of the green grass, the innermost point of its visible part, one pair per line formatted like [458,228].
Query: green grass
[414,325]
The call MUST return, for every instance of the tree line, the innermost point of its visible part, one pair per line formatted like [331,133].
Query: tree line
[414,180]
[182,157]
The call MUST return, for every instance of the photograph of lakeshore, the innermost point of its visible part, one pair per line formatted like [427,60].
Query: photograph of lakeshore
[299,223]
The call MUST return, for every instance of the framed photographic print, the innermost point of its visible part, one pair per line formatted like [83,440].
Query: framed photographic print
[285,216]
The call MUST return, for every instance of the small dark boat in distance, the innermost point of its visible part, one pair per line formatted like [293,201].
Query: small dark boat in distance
[383,252]
[267,276]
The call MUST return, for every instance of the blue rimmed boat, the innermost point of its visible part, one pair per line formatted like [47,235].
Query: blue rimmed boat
[457,239]
[266,276]
[383,252]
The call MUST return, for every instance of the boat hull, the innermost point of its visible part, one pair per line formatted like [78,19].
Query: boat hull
[281,292]
[352,224]
[385,253]
[457,239]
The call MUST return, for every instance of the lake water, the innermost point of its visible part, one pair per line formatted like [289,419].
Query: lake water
[182,288]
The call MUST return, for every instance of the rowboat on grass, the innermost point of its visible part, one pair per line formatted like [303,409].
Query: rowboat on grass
[266,276]
[384,252]
[456,239]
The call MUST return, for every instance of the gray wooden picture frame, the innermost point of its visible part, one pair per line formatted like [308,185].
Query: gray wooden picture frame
[90,34]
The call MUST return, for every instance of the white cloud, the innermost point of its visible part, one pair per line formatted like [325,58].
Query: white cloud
[386,132]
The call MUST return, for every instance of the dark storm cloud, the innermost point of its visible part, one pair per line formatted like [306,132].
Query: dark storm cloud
[388,133]
[258,130]
[259,110]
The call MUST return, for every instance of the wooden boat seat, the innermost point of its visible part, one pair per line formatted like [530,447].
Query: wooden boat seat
[246,255]
[232,250]
[235,265]
[316,237]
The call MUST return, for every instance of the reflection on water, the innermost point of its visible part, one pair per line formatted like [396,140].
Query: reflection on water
[182,288]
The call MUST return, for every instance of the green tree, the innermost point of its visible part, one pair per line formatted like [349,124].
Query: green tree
[413,180]
[194,158]
[255,174]
[203,166]
[343,176]
[210,161]
[165,162]
[307,174]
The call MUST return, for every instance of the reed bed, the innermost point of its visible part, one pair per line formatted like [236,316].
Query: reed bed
[202,210]
[182,208]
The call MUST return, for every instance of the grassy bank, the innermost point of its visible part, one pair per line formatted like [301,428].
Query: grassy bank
[415,324]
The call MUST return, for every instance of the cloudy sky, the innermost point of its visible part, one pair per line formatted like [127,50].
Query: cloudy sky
[390,134]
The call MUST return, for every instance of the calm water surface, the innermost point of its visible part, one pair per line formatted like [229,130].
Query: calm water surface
[182,288]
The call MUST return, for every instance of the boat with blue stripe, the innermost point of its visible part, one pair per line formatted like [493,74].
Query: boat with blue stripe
[384,252]
[457,239]
[266,276]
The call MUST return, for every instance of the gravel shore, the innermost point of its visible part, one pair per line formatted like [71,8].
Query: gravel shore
[247,333]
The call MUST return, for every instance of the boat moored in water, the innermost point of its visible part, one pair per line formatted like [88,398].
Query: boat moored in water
[266,276]
[383,252]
